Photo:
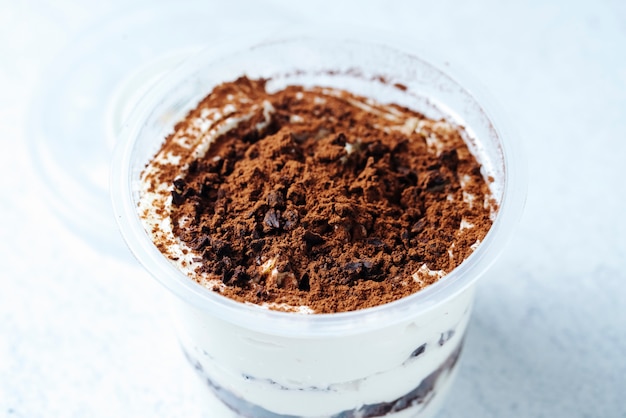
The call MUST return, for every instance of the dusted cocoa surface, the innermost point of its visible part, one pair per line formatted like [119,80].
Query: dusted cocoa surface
[335,203]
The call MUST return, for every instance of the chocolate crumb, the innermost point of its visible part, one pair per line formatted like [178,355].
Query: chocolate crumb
[400,86]
[419,350]
[445,337]
[312,238]
[272,219]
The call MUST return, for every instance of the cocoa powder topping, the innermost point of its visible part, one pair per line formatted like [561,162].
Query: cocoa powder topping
[314,197]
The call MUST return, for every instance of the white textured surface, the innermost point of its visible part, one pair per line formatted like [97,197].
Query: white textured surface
[84,334]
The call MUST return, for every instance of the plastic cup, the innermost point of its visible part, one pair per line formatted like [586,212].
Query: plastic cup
[394,360]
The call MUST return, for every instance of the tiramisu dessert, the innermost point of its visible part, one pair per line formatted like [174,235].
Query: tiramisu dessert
[318,201]
[313,200]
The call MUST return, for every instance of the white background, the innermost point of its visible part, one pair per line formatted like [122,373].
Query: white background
[83,333]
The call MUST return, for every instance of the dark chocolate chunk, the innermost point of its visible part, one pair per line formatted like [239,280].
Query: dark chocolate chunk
[201,242]
[418,226]
[177,198]
[357,266]
[257,245]
[272,219]
[275,199]
[339,140]
[375,242]
[358,232]
[377,149]
[300,136]
[303,283]
[435,182]
[239,275]
[291,219]
[251,136]
[312,238]
[179,184]
[221,247]
[445,336]
[450,159]
[419,350]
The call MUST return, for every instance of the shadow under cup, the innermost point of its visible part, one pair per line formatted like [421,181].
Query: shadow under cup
[394,360]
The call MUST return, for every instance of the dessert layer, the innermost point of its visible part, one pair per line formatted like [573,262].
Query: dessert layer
[320,376]
[417,398]
[313,200]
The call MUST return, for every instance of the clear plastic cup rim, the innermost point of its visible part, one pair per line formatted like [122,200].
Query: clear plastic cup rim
[290,324]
